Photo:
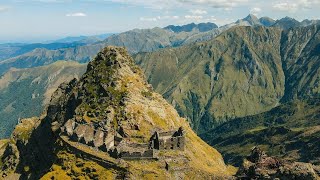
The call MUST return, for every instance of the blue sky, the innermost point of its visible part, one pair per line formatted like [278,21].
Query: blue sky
[38,20]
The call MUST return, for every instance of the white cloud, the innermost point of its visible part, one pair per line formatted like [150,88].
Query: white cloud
[216,3]
[255,11]
[52,1]
[159,18]
[4,8]
[153,4]
[285,6]
[294,5]
[170,4]
[198,11]
[167,17]
[78,14]
[148,19]
[193,17]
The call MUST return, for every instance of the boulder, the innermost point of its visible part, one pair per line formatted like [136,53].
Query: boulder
[99,138]
[89,135]
[69,127]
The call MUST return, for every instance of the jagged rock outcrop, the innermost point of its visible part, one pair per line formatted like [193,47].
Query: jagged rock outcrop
[260,166]
[9,160]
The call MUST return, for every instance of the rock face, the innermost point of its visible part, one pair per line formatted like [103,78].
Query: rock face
[113,105]
[9,159]
[260,166]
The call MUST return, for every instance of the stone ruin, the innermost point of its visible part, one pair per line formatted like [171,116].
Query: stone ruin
[88,135]
[171,140]
[117,146]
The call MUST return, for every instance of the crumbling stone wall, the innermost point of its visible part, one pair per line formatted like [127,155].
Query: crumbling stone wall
[87,134]
[173,143]
[148,154]
[171,140]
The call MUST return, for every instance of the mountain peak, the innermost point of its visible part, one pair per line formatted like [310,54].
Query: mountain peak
[251,17]
[250,20]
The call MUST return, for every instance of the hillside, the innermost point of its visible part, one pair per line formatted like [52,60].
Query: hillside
[244,71]
[237,74]
[134,112]
[25,92]
[291,131]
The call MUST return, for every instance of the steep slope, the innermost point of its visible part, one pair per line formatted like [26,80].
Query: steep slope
[112,96]
[308,22]
[266,21]
[237,74]
[25,92]
[286,23]
[300,51]
[291,131]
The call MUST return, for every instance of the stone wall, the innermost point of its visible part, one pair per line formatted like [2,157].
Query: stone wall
[87,134]
[171,140]
[148,154]
[173,143]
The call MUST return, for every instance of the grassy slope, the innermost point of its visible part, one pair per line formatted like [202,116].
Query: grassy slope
[291,130]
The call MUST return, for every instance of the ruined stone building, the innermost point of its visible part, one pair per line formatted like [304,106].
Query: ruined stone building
[117,146]
[88,135]
[172,140]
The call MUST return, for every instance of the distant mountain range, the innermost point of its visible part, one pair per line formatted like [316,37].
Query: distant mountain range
[137,40]
[83,39]
[202,27]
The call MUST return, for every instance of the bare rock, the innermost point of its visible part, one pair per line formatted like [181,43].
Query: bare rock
[260,166]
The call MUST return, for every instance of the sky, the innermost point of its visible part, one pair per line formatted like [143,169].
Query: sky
[39,20]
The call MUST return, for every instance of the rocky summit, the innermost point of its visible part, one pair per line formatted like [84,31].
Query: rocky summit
[109,124]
